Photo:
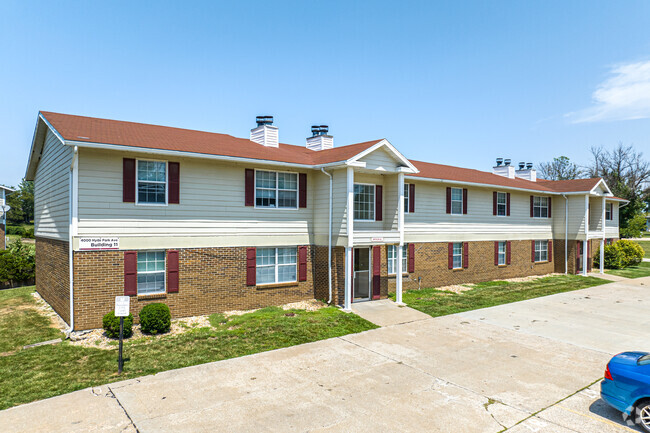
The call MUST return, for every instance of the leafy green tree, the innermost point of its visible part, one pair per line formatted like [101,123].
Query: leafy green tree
[22,204]
[561,168]
[17,263]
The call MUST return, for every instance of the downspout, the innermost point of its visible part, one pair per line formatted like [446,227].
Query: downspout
[74,167]
[329,241]
[566,234]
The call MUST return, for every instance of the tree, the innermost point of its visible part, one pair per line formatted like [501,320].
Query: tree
[627,174]
[560,168]
[22,204]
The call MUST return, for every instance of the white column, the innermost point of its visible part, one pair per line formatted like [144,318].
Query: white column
[585,253]
[400,247]
[398,275]
[602,256]
[585,256]
[349,272]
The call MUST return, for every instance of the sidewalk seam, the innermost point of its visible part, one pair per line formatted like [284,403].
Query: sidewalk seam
[123,409]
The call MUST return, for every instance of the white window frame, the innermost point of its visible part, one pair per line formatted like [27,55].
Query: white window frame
[504,204]
[137,182]
[277,190]
[451,204]
[459,255]
[372,207]
[275,265]
[503,253]
[609,209]
[164,272]
[540,248]
[392,270]
[407,197]
[540,206]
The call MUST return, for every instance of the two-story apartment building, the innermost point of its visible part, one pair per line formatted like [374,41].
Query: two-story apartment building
[208,222]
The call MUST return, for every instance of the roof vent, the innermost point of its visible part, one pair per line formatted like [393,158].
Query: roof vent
[529,165]
[527,173]
[503,168]
[265,133]
[499,162]
[506,162]
[522,165]
[320,140]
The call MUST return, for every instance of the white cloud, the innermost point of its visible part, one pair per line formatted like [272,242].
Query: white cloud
[623,96]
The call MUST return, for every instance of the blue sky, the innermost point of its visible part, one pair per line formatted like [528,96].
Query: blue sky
[453,82]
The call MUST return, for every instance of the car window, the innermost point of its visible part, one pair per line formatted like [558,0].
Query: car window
[644,360]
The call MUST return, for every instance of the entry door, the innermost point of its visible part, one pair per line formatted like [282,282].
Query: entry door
[579,257]
[361,283]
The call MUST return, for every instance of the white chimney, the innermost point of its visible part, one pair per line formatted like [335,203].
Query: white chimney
[503,168]
[319,139]
[265,134]
[528,173]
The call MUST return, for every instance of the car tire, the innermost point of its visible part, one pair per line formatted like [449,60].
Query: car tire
[642,415]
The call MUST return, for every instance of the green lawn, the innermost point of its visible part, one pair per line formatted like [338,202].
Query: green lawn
[646,247]
[440,303]
[46,371]
[643,270]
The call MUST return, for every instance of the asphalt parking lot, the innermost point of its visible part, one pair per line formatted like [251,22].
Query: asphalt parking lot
[531,366]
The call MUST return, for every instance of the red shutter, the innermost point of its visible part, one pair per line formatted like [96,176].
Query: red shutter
[128,180]
[532,251]
[494,203]
[130,273]
[302,263]
[465,254]
[376,272]
[411,197]
[550,251]
[411,258]
[250,187]
[550,202]
[174,182]
[531,206]
[172,271]
[450,255]
[464,201]
[302,189]
[378,203]
[352,276]
[449,201]
[507,252]
[496,254]
[251,269]
[588,255]
[508,204]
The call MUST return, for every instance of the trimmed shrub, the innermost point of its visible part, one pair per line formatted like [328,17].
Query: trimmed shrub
[613,257]
[15,230]
[111,325]
[155,318]
[17,263]
[631,251]
[29,233]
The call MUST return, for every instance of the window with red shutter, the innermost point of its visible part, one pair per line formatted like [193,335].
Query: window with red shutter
[449,201]
[172,271]
[494,203]
[496,253]
[302,263]
[302,190]
[532,199]
[550,251]
[450,256]
[411,198]
[251,266]
[550,202]
[411,258]
[174,182]
[464,201]
[130,273]
[532,251]
[508,252]
[378,203]
[465,255]
[508,204]
[249,194]
[128,180]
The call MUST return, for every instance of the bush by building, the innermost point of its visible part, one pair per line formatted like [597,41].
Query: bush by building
[155,318]
[621,254]
[111,325]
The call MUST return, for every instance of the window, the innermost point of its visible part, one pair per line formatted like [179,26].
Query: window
[151,272]
[540,207]
[541,251]
[458,255]
[608,211]
[501,254]
[406,198]
[152,182]
[276,265]
[276,190]
[456,200]
[502,199]
[392,259]
[364,202]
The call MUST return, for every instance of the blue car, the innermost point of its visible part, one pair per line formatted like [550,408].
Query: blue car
[626,386]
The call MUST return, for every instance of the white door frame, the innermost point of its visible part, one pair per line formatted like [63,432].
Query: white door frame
[369,275]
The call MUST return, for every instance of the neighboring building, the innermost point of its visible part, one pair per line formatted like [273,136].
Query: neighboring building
[4,192]
[208,222]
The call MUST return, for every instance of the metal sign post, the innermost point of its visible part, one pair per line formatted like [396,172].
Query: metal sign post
[121,311]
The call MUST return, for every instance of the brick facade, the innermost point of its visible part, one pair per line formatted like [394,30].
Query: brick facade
[211,280]
[53,274]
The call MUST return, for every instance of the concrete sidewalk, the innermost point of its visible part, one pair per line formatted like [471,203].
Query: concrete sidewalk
[387,313]
[480,371]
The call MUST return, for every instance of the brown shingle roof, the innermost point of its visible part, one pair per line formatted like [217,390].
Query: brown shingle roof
[571,185]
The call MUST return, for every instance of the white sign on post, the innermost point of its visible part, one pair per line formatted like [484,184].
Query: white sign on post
[122,306]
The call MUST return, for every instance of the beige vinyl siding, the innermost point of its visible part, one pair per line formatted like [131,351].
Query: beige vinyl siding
[380,160]
[595,214]
[576,217]
[391,202]
[430,222]
[321,207]
[211,202]
[611,226]
[52,190]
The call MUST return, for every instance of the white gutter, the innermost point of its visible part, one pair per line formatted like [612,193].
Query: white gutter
[566,234]
[329,241]
[486,185]
[74,218]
